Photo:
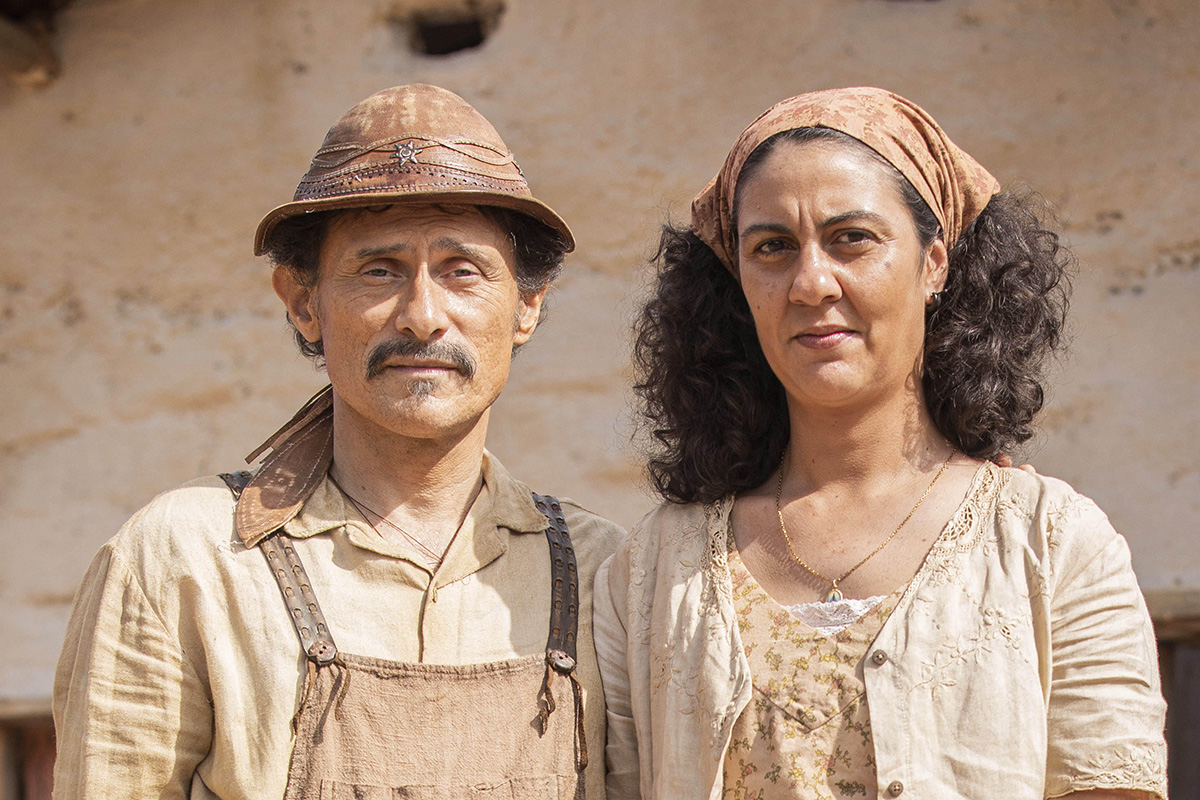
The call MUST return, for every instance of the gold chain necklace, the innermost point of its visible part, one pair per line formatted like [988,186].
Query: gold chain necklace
[835,593]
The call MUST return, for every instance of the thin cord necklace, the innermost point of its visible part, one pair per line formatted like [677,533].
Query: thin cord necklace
[835,593]
[430,555]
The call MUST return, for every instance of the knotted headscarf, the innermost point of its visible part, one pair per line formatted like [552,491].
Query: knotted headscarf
[952,183]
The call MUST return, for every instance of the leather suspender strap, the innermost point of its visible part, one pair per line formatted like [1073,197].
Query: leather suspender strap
[307,618]
[561,654]
[564,580]
[294,585]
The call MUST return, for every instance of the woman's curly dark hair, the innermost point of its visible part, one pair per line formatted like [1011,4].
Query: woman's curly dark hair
[716,414]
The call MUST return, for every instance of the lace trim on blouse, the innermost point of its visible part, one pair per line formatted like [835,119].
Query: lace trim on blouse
[835,617]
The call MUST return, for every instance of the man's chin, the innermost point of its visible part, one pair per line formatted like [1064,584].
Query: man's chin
[403,388]
[421,388]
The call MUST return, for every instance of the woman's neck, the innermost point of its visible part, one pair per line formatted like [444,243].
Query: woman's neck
[858,446]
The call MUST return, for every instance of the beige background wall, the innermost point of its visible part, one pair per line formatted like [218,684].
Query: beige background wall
[140,344]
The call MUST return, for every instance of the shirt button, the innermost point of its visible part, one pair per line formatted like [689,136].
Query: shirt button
[895,788]
[879,658]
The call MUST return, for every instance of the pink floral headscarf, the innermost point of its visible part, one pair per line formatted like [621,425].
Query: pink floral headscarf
[954,185]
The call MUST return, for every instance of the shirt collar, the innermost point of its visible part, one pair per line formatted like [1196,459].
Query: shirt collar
[504,503]
[292,489]
[503,507]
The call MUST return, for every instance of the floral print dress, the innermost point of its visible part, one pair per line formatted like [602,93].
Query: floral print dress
[806,732]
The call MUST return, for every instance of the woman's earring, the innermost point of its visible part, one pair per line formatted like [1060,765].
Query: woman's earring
[933,303]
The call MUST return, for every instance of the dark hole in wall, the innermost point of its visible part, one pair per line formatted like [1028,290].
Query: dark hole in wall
[434,37]
[32,13]
[26,40]
[451,28]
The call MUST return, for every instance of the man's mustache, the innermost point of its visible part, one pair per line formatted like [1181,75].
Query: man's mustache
[446,352]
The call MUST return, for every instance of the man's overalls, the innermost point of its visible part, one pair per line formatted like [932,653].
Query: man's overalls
[368,729]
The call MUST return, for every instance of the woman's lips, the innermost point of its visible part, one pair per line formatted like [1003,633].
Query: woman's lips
[824,340]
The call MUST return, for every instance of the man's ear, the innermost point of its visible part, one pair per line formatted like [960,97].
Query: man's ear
[529,311]
[299,301]
[937,267]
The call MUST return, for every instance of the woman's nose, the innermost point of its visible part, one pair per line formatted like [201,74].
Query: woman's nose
[815,280]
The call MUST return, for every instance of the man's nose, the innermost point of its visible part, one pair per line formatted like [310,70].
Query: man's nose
[422,311]
[815,280]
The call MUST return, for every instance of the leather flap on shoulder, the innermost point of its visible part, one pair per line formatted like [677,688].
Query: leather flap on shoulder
[288,477]
[316,405]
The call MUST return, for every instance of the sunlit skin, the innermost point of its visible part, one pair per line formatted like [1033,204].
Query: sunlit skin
[409,439]
[835,275]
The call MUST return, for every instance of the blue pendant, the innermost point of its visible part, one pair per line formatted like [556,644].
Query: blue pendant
[834,595]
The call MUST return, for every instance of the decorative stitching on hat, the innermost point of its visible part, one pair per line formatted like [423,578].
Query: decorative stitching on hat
[310,187]
[379,166]
[456,145]
[392,189]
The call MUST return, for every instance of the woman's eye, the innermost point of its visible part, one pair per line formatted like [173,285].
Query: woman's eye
[770,246]
[853,237]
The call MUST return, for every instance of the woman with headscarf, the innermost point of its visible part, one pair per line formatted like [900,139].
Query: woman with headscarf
[844,595]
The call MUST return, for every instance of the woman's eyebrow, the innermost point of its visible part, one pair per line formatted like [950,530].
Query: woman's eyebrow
[765,227]
[858,215]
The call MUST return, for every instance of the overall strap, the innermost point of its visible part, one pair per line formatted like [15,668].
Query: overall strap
[564,580]
[561,655]
[294,585]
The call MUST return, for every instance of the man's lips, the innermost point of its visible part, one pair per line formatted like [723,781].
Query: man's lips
[420,366]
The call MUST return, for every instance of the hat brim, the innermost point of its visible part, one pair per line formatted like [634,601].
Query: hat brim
[525,205]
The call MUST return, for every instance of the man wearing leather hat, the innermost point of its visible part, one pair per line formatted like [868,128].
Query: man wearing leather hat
[379,609]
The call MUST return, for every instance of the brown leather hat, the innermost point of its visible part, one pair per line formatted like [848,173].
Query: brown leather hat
[415,144]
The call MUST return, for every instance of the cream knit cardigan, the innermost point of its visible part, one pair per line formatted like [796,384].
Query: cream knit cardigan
[1019,663]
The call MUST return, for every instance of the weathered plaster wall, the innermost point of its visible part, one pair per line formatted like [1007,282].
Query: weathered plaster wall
[140,344]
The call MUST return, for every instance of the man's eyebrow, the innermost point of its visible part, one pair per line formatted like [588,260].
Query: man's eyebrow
[456,246]
[461,248]
[383,251]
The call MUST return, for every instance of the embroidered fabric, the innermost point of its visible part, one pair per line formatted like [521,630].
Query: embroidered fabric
[830,618]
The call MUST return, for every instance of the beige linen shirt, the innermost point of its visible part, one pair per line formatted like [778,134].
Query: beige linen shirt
[1019,663]
[181,669]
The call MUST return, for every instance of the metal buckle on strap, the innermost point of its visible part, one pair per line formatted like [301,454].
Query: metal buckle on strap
[561,662]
